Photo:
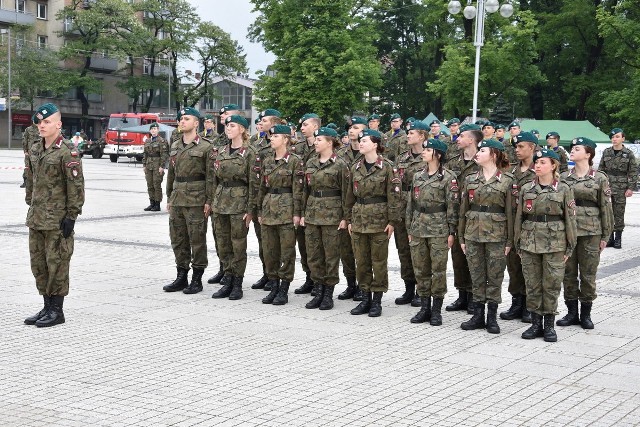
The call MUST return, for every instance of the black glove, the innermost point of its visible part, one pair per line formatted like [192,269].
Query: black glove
[66,225]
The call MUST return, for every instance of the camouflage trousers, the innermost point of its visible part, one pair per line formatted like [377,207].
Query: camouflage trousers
[346,255]
[583,262]
[323,249]
[154,180]
[371,251]
[280,256]
[429,257]
[188,232]
[405,253]
[619,204]
[461,274]
[302,248]
[231,233]
[486,264]
[516,277]
[50,255]
[543,274]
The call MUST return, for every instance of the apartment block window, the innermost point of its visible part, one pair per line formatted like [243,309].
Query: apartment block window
[20,6]
[42,42]
[42,11]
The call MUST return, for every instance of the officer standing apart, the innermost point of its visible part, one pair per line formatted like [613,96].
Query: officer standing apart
[55,195]
[619,163]
[189,203]
[156,153]
[545,235]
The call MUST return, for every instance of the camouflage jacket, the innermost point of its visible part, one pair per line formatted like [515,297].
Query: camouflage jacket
[521,178]
[564,158]
[552,235]
[407,166]
[189,174]
[325,189]
[55,185]
[156,152]
[211,136]
[621,168]
[303,150]
[594,213]
[395,144]
[235,180]
[176,135]
[30,136]
[373,198]
[510,151]
[453,150]
[347,154]
[486,210]
[432,205]
[281,185]
[461,168]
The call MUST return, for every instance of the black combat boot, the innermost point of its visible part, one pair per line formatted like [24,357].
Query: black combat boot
[156,206]
[218,276]
[327,298]
[316,300]
[275,287]
[283,297]
[196,282]
[350,291]
[364,306]
[549,333]
[526,314]
[571,318]
[535,330]
[236,290]
[469,302]
[409,293]
[227,286]
[515,311]
[32,320]
[261,283]
[359,296]
[54,316]
[460,303]
[152,203]
[585,315]
[477,320]
[425,311]
[610,241]
[492,321]
[617,239]
[306,287]
[376,305]
[181,282]
[415,302]
[436,312]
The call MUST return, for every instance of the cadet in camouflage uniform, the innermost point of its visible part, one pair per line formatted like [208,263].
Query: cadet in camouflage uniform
[488,131]
[55,195]
[29,137]
[463,165]
[553,139]
[234,183]
[432,218]
[545,235]
[324,215]
[189,203]
[156,154]
[486,231]
[452,147]
[209,131]
[373,211]
[436,132]
[373,122]
[594,219]
[499,134]
[509,143]
[279,208]
[396,138]
[619,163]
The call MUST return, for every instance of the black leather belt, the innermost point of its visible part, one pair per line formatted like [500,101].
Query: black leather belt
[586,203]
[486,208]
[542,218]
[327,193]
[617,173]
[433,209]
[371,200]
[228,184]
[190,178]
[280,190]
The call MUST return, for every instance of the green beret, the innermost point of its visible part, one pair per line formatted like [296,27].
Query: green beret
[34,119]
[553,135]
[394,117]
[614,131]
[370,132]
[45,110]
[467,127]
[256,121]
[581,140]
[326,131]
[488,124]
[359,121]
[434,122]
[237,119]
[436,144]
[332,126]
[229,107]
[546,152]
[453,121]
[410,120]
[500,127]
[308,116]
[154,125]
[271,112]
[291,124]
[208,117]
[343,134]
[417,125]
[280,130]
[514,124]
[374,117]
[480,122]
[189,111]
[491,143]
[535,131]
[525,137]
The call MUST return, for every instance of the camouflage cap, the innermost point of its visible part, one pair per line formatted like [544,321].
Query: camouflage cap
[189,111]
[326,131]
[453,121]
[370,132]
[154,125]
[467,127]
[394,116]
[45,110]
[525,137]
[229,107]
[581,140]
[237,119]
[553,134]
[280,130]
[356,120]
[614,131]
[417,125]
[271,112]
[435,144]
[308,116]
[491,143]
[546,152]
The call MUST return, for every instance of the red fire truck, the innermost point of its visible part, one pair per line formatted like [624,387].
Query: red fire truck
[119,142]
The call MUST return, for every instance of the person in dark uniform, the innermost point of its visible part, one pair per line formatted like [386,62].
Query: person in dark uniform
[209,131]
[396,138]
[156,154]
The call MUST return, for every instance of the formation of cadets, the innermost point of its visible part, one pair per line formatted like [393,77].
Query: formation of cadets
[496,202]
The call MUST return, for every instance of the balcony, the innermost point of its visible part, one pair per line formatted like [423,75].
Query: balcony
[18,18]
[103,64]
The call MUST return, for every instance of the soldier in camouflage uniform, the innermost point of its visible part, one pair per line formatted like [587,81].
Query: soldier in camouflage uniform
[189,203]
[209,131]
[619,163]
[499,134]
[509,143]
[156,154]
[463,165]
[553,139]
[594,219]
[279,208]
[373,211]
[486,232]
[432,220]
[488,131]
[234,183]
[55,195]
[324,215]
[545,235]
[396,138]
[454,129]
[29,137]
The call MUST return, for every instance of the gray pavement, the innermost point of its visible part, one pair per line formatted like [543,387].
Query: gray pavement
[132,355]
